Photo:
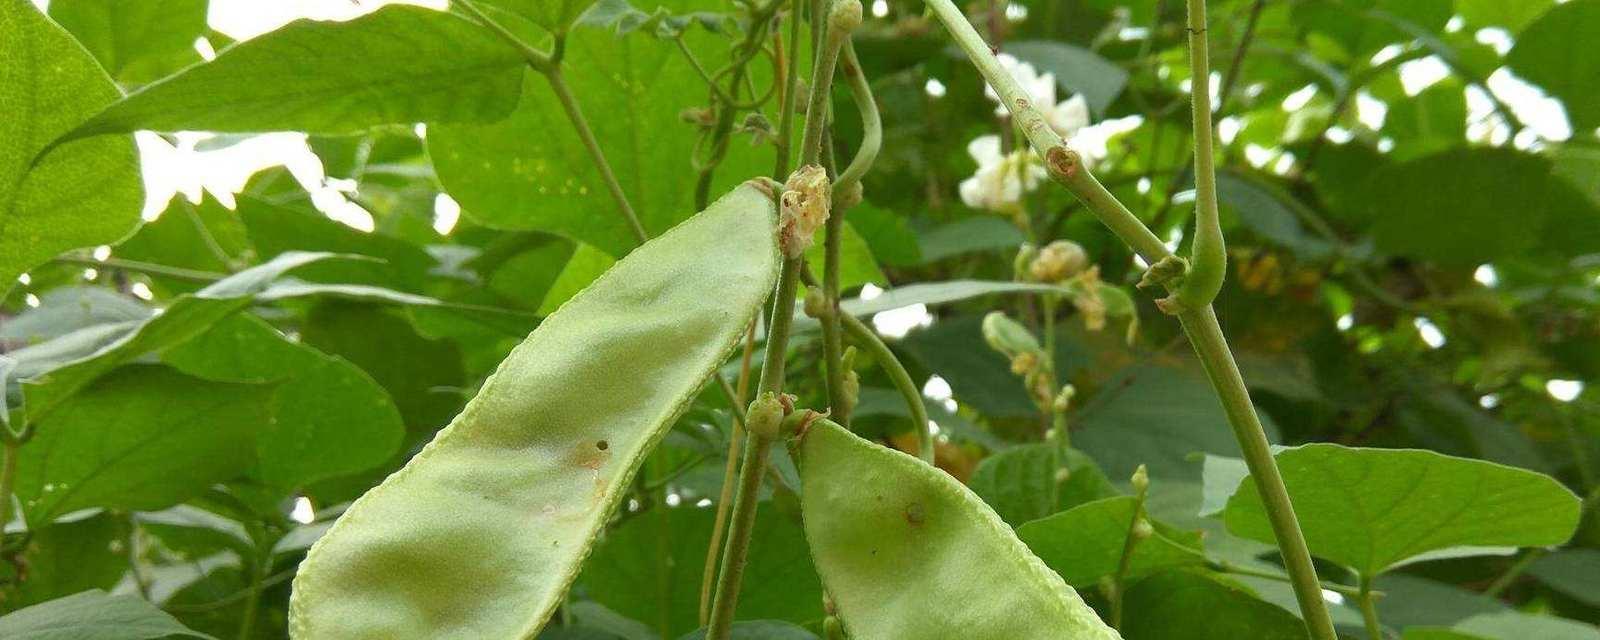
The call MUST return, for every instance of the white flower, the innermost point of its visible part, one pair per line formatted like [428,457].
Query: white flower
[1066,117]
[1002,178]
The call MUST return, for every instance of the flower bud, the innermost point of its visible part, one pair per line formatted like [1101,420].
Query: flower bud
[1024,363]
[1141,529]
[806,198]
[1063,399]
[1063,474]
[764,418]
[852,392]
[1025,255]
[844,16]
[1089,301]
[1006,336]
[848,196]
[1141,479]
[1058,261]
[816,303]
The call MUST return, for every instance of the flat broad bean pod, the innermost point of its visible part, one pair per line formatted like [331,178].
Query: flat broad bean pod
[482,533]
[906,551]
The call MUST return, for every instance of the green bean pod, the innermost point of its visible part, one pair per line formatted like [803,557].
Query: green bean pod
[906,551]
[481,534]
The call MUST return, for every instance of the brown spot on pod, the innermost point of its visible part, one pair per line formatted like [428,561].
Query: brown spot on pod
[916,514]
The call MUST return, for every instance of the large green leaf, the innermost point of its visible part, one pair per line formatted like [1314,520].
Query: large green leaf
[400,64]
[135,40]
[205,237]
[1085,543]
[1544,55]
[1183,604]
[857,266]
[531,171]
[423,376]
[1370,509]
[1515,625]
[68,557]
[1575,572]
[1019,483]
[967,235]
[1269,212]
[276,228]
[143,437]
[1479,205]
[67,364]
[92,615]
[79,194]
[1159,418]
[63,310]
[329,418]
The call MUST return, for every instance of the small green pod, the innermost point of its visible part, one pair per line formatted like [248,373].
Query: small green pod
[906,551]
[482,533]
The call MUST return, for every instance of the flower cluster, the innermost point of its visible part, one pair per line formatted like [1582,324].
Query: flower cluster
[1003,178]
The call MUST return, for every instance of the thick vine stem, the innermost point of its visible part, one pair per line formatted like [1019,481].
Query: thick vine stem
[1205,334]
[843,17]
[737,551]
[1208,260]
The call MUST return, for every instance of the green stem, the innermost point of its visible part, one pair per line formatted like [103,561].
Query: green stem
[177,273]
[791,85]
[1129,543]
[1058,418]
[1513,572]
[832,340]
[1369,610]
[847,181]
[1205,334]
[8,477]
[1065,165]
[708,575]
[569,103]
[252,602]
[822,79]
[1226,567]
[868,340]
[737,552]
[742,520]
[871,121]
[1208,262]
[716,89]
[539,60]
[778,329]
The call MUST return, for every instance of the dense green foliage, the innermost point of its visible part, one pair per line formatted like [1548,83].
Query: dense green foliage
[199,399]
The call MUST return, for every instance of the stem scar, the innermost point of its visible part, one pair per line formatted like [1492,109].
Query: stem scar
[1062,162]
